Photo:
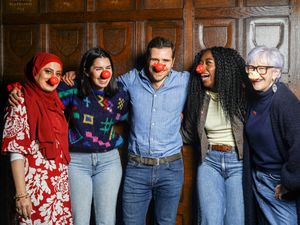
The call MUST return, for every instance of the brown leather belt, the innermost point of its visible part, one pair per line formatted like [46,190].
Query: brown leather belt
[222,148]
[154,161]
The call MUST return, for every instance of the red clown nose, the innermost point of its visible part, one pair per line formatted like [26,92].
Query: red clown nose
[105,74]
[200,68]
[53,81]
[158,67]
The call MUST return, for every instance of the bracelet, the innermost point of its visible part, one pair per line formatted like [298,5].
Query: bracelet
[18,197]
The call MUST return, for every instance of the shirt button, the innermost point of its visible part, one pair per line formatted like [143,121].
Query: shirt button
[155,95]
[153,124]
[154,110]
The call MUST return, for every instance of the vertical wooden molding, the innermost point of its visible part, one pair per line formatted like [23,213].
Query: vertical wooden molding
[139,38]
[91,37]
[188,188]
[44,37]
[188,18]
[294,80]
[90,5]
[139,30]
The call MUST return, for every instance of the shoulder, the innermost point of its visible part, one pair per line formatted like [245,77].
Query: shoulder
[121,89]
[284,98]
[285,107]
[180,78]
[181,74]
[129,76]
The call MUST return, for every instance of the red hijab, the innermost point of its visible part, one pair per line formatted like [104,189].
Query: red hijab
[41,106]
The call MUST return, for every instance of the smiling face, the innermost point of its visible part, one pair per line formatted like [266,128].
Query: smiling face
[52,69]
[262,82]
[208,74]
[98,66]
[163,56]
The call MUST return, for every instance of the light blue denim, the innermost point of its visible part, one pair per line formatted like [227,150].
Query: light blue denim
[220,189]
[97,177]
[163,183]
[277,212]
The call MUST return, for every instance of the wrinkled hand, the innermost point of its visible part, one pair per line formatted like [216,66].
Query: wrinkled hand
[14,97]
[69,78]
[280,191]
[24,207]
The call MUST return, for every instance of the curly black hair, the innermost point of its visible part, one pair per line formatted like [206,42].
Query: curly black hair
[231,83]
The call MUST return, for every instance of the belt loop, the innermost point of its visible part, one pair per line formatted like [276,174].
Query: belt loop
[157,162]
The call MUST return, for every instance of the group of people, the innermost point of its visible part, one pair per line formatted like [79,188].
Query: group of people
[244,120]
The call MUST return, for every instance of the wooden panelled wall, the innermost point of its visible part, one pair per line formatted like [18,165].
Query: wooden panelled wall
[124,27]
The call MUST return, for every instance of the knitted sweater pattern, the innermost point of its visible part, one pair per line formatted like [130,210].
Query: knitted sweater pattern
[92,117]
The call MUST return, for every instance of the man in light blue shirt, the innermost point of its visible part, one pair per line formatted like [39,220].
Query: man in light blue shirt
[155,166]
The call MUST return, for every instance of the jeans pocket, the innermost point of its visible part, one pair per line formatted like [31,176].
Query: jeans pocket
[176,165]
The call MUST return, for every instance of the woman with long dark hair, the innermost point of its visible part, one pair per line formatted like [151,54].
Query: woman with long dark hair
[214,118]
[94,105]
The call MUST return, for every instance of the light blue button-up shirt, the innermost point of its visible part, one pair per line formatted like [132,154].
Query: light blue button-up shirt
[155,113]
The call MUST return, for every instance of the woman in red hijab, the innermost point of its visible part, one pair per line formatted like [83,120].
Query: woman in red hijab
[35,134]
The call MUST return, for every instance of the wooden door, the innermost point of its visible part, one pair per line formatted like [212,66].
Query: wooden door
[69,27]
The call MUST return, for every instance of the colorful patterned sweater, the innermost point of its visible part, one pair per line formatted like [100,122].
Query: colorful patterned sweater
[91,119]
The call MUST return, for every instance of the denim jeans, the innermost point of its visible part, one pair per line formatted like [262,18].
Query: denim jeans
[277,212]
[163,183]
[220,189]
[97,177]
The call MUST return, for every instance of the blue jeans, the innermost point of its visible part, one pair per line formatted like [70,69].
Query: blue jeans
[220,189]
[277,212]
[97,177]
[163,183]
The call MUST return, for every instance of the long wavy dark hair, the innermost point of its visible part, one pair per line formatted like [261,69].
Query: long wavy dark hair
[84,83]
[231,83]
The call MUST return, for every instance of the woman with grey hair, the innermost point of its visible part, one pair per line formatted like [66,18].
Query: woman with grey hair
[273,132]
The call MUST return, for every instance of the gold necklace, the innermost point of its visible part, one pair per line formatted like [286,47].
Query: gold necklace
[213,95]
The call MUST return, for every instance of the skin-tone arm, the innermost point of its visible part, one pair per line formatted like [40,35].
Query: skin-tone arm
[14,95]
[69,78]
[23,204]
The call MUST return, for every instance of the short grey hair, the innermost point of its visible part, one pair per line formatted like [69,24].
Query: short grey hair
[272,56]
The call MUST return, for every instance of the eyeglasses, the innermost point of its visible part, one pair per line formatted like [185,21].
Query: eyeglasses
[262,70]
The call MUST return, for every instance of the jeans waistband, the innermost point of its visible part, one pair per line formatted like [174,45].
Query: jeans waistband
[154,161]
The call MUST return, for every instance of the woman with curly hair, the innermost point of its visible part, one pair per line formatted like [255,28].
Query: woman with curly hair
[214,119]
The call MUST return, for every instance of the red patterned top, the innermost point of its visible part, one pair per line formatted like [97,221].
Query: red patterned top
[46,180]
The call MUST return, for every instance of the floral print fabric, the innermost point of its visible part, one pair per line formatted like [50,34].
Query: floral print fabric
[46,180]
